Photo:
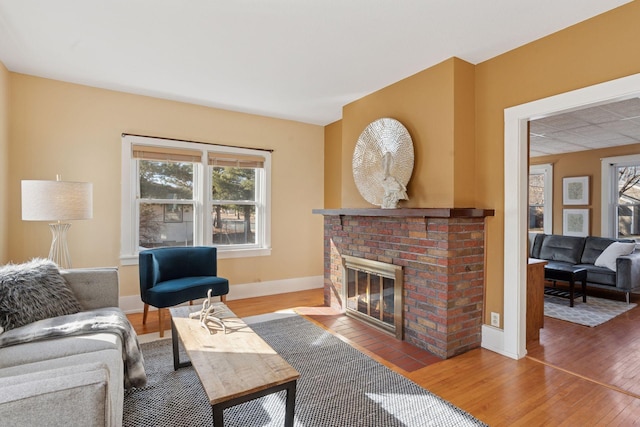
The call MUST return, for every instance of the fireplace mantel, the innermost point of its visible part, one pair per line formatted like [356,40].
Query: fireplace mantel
[410,212]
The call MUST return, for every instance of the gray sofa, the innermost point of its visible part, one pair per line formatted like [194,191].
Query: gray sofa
[583,252]
[68,381]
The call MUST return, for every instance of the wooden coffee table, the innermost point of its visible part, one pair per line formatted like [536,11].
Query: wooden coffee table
[233,366]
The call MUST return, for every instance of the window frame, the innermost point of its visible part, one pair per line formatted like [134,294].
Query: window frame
[546,170]
[202,198]
[609,192]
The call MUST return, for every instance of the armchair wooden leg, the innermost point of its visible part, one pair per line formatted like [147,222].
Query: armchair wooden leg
[161,322]
[223,298]
[144,314]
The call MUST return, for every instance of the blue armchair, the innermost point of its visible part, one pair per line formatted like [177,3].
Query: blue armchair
[173,275]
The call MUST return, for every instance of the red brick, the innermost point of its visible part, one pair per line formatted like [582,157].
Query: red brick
[440,256]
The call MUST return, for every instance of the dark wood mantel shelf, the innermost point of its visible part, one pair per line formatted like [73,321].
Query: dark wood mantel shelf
[410,212]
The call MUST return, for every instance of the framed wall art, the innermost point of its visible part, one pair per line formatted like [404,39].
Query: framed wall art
[575,190]
[575,222]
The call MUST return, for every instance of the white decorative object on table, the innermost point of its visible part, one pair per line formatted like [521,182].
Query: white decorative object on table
[206,315]
[383,163]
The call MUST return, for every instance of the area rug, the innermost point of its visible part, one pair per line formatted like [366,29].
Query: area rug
[339,386]
[594,312]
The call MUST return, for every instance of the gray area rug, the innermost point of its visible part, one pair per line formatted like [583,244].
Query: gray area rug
[339,386]
[594,312]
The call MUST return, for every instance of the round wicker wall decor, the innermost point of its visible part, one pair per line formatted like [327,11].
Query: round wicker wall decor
[383,162]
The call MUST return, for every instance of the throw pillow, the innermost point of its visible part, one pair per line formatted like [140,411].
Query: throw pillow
[33,291]
[608,257]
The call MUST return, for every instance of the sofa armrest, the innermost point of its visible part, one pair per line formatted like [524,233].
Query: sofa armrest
[628,272]
[94,287]
[66,396]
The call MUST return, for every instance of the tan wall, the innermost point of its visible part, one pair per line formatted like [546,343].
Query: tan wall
[440,123]
[588,53]
[464,153]
[332,165]
[76,131]
[583,163]
[435,106]
[4,162]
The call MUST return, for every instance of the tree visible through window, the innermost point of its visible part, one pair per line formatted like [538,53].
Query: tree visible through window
[541,198]
[166,203]
[234,206]
[536,202]
[628,202]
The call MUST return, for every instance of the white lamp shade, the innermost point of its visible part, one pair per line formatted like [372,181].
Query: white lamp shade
[56,200]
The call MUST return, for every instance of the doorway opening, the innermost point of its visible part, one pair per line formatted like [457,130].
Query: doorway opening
[516,173]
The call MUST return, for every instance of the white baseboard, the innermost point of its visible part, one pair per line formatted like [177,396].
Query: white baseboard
[133,304]
[493,339]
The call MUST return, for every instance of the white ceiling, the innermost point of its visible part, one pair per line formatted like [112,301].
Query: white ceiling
[294,59]
[616,123]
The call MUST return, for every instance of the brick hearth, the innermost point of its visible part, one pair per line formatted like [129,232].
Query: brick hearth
[442,253]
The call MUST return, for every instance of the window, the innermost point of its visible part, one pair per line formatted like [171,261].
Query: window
[541,198]
[621,197]
[233,193]
[179,193]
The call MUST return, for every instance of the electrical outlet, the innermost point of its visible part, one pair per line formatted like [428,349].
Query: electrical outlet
[495,319]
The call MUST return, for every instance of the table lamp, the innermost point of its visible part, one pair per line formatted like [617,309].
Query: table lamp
[57,201]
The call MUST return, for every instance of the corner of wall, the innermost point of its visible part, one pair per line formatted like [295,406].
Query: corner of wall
[333,165]
[464,142]
[4,161]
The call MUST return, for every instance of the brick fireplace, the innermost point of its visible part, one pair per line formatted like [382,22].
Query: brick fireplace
[441,252]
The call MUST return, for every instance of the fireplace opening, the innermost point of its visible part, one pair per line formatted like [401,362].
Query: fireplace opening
[373,293]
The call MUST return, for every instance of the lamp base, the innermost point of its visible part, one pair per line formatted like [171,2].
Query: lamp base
[59,252]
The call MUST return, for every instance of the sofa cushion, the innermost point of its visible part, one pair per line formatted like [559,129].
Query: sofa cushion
[601,275]
[33,291]
[609,256]
[44,350]
[38,398]
[562,248]
[111,357]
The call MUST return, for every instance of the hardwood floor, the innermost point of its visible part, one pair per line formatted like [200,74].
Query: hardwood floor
[575,376]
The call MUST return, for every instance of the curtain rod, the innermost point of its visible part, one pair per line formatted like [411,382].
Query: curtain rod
[270,150]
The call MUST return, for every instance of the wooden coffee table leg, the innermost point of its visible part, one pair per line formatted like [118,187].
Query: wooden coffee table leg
[584,290]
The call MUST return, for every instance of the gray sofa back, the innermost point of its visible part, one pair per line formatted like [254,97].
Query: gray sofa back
[561,248]
[535,244]
[594,246]
[576,250]
[94,287]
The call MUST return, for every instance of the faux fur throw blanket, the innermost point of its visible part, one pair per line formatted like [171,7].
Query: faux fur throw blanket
[110,319]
